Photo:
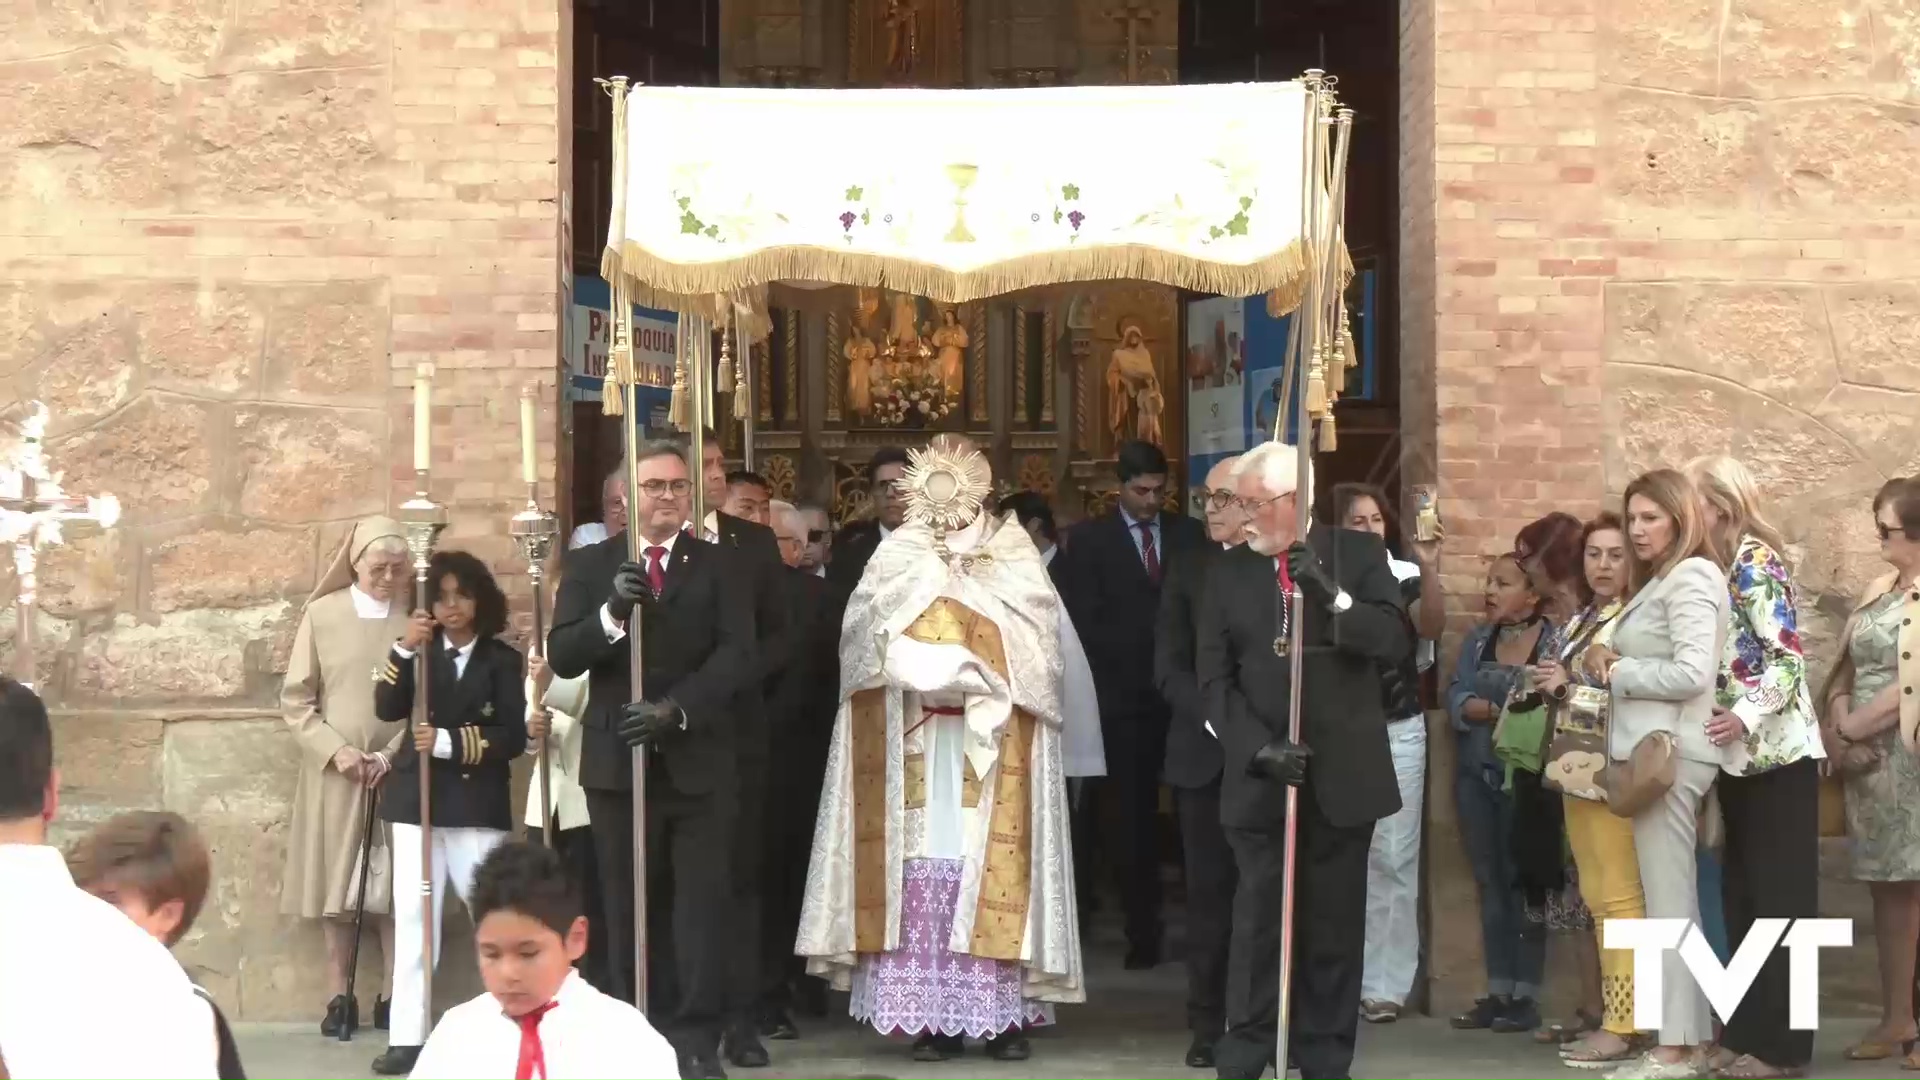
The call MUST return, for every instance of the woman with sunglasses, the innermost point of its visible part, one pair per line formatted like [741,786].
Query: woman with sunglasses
[1869,727]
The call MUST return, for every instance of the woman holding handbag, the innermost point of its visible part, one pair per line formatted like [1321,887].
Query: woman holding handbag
[1660,674]
[1869,731]
[1602,842]
[1769,790]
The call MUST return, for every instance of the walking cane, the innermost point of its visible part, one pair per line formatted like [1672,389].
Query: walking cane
[423,519]
[1316,350]
[359,915]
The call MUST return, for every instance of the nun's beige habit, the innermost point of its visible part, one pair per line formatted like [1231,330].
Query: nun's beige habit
[328,701]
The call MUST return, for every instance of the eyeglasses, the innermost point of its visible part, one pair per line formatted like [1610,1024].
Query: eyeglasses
[1254,506]
[888,487]
[386,570]
[654,489]
[1888,532]
[1216,498]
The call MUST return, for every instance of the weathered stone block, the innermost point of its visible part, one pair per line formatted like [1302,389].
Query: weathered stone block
[329,341]
[1778,48]
[107,764]
[1661,45]
[1680,153]
[90,127]
[215,568]
[156,455]
[323,33]
[85,374]
[184,657]
[198,338]
[1884,425]
[1876,329]
[312,464]
[51,636]
[231,770]
[1665,418]
[86,575]
[1771,339]
[36,317]
[1844,152]
[302,139]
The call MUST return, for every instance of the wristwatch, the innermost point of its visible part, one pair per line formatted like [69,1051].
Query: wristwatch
[1341,602]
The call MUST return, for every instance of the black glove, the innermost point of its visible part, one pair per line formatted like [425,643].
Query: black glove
[630,588]
[1281,760]
[1312,581]
[644,722]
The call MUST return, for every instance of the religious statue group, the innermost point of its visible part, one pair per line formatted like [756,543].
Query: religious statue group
[912,371]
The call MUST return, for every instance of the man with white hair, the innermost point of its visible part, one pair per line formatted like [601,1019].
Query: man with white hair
[1352,621]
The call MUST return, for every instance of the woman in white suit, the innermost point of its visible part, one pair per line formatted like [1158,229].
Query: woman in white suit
[1662,671]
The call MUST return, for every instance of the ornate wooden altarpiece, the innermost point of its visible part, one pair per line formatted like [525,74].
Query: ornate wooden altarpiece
[1031,376]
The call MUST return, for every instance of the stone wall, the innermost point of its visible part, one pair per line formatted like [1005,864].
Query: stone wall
[1666,229]
[227,233]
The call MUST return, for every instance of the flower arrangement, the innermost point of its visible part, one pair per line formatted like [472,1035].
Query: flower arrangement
[912,399]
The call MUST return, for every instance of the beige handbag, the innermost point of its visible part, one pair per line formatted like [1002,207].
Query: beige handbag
[379,876]
[1577,753]
[1641,780]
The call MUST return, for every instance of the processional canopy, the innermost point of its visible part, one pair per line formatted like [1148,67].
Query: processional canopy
[719,192]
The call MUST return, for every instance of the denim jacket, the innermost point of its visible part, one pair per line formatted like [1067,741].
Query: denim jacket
[1488,682]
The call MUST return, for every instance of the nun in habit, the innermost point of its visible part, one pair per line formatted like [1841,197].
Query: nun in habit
[356,613]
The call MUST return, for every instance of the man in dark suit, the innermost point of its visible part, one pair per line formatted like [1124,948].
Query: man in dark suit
[854,544]
[737,521]
[1113,579]
[697,630]
[1193,768]
[1031,510]
[802,696]
[1352,622]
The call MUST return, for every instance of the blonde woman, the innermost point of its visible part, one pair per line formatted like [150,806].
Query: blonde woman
[1870,728]
[1661,671]
[1769,787]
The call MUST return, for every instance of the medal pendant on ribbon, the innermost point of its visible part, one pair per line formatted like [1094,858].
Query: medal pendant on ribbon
[1279,646]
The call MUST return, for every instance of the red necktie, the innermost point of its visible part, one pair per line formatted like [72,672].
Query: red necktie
[657,569]
[1285,579]
[1147,553]
[532,1054]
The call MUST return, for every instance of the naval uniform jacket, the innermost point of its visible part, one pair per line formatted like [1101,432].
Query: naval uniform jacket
[484,713]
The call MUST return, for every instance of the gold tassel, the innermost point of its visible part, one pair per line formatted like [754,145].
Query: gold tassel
[1328,441]
[741,404]
[679,409]
[1316,390]
[726,354]
[619,354]
[1337,380]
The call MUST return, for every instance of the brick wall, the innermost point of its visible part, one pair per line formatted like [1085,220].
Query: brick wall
[1660,230]
[227,232]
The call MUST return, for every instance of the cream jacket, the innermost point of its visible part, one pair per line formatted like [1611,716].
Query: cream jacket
[1670,637]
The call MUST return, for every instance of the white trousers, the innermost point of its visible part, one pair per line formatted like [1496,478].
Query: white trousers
[456,854]
[1665,838]
[1393,874]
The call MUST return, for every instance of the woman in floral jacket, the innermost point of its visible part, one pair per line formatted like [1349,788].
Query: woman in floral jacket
[1769,787]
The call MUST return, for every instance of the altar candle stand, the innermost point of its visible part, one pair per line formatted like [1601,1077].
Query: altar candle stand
[423,520]
[533,529]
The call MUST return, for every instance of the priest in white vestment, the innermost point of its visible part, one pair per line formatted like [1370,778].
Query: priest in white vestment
[941,886]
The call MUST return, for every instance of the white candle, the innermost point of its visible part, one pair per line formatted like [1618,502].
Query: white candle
[528,460]
[422,417]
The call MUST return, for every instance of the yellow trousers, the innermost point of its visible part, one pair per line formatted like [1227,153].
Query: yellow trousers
[1610,884]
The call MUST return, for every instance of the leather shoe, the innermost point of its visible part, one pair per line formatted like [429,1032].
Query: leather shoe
[341,1011]
[397,1061]
[777,1024]
[1281,760]
[1200,1054]
[1010,1046]
[382,1013]
[744,1050]
[932,1047]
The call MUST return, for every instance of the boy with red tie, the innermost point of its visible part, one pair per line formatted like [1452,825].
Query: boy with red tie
[538,1020]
